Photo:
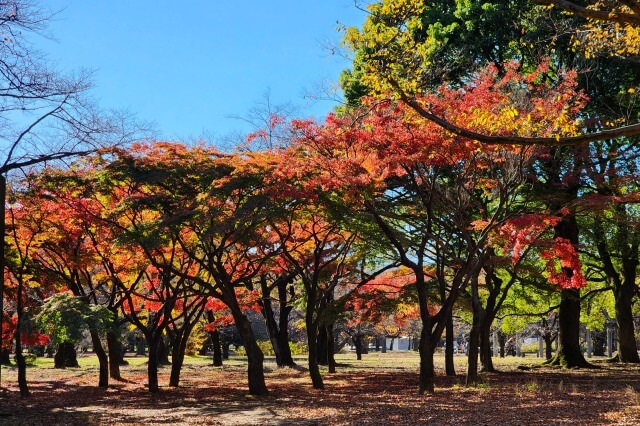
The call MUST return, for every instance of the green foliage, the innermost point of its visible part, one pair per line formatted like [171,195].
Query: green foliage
[267,349]
[65,317]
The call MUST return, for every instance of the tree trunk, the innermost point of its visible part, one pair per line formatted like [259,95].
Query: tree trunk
[627,349]
[449,352]
[486,355]
[548,342]
[314,369]
[22,367]
[255,357]
[474,335]
[5,357]
[331,348]
[177,355]
[270,321]
[115,352]
[217,348]
[427,372]
[322,348]
[225,350]
[65,356]
[103,360]
[278,332]
[569,354]
[152,365]
[140,349]
[20,361]
[163,352]
[283,326]
[358,343]
[474,341]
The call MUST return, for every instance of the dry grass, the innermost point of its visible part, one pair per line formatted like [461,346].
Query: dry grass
[380,389]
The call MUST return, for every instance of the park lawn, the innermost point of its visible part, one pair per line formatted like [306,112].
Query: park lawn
[377,390]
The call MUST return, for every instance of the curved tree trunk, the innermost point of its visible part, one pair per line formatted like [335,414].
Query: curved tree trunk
[255,357]
[177,356]
[314,368]
[103,360]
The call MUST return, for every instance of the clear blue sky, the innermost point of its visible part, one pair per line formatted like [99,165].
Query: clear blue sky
[188,65]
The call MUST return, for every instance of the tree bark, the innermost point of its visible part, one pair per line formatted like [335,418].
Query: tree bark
[163,352]
[65,356]
[283,327]
[278,331]
[103,360]
[22,367]
[627,349]
[217,349]
[152,365]
[255,357]
[331,348]
[20,361]
[486,355]
[322,346]
[314,369]
[427,371]
[115,352]
[5,357]
[569,354]
[358,343]
[449,365]
[177,355]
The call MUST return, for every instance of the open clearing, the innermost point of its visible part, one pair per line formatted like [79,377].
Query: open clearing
[380,389]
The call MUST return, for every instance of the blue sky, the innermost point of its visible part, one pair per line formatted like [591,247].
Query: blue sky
[189,65]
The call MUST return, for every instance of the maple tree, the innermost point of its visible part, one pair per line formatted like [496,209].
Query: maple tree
[437,198]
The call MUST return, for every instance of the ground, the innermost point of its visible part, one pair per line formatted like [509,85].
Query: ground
[381,389]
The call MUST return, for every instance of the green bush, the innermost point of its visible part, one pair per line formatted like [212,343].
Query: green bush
[298,348]
[531,348]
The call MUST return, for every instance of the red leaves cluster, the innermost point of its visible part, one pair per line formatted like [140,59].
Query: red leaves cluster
[563,265]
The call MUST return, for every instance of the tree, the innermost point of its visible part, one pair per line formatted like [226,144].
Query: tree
[44,115]
[435,198]
[65,318]
[404,46]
